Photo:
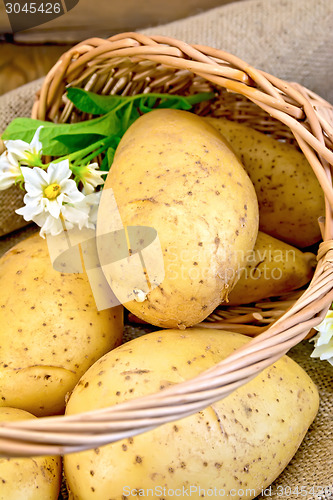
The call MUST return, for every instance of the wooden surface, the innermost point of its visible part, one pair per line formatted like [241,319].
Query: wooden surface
[20,64]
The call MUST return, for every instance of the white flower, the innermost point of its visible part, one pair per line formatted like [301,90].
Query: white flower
[91,177]
[93,201]
[21,152]
[18,153]
[53,200]
[324,340]
[9,172]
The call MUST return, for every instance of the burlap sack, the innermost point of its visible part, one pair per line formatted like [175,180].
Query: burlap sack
[291,39]
[13,104]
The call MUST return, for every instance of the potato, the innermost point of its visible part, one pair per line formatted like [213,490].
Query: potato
[289,194]
[175,173]
[242,442]
[36,478]
[273,268]
[51,331]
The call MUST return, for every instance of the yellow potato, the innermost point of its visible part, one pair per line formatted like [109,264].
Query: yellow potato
[238,445]
[289,194]
[51,331]
[36,478]
[175,173]
[273,268]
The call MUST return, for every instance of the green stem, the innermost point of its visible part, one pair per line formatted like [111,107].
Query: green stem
[82,152]
[95,153]
[95,149]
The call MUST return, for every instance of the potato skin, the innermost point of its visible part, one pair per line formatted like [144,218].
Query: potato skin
[37,478]
[289,194]
[175,173]
[243,441]
[51,331]
[273,268]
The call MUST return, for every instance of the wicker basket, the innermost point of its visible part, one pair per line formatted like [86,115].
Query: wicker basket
[130,63]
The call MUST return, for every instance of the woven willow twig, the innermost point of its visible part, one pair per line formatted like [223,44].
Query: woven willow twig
[254,319]
[131,63]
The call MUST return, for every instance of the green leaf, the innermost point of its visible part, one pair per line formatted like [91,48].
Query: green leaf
[146,105]
[23,128]
[103,127]
[110,155]
[128,115]
[53,135]
[105,164]
[92,103]
[72,143]
[196,98]
[179,103]
[118,113]
[108,159]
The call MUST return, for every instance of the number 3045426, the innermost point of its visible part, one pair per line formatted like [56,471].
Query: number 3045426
[33,8]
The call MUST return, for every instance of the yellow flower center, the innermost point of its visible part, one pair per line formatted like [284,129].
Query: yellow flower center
[52,191]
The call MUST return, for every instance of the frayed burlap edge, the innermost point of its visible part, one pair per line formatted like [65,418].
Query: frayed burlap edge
[13,104]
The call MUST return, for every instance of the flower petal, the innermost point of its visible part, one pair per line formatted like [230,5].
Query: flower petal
[323,338]
[49,225]
[8,173]
[72,214]
[57,172]
[7,180]
[28,212]
[6,164]
[54,208]
[74,197]
[35,144]
[93,200]
[88,188]
[34,178]
[323,341]
[323,352]
[17,149]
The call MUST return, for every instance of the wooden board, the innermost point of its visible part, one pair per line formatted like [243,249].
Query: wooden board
[20,64]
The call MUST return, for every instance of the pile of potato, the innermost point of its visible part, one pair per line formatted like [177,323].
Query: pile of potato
[51,333]
[185,180]
[173,171]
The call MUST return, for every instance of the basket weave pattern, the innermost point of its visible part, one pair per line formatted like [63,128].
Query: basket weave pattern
[131,63]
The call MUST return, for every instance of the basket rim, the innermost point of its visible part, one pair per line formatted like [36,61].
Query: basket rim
[291,104]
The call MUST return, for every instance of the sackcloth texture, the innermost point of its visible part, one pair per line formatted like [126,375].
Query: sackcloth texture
[293,40]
